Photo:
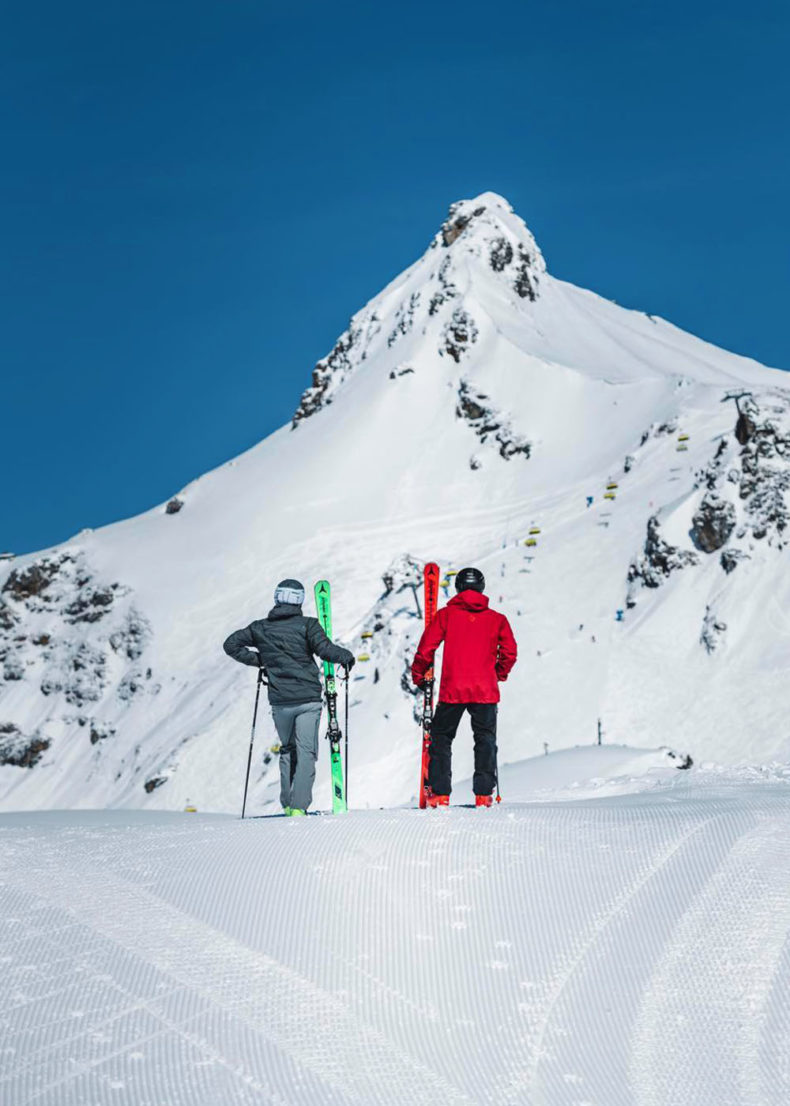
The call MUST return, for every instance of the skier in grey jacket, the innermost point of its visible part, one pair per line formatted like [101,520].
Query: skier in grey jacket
[285,644]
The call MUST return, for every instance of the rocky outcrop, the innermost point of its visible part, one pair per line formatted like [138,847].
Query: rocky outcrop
[458,219]
[404,319]
[525,281]
[20,751]
[174,505]
[731,558]
[745,427]
[82,635]
[154,782]
[657,562]
[331,369]
[713,522]
[500,254]
[447,289]
[100,731]
[33,581]
[459,334]
[476,410]
[760,470]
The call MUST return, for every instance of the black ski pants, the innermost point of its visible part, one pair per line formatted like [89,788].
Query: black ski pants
[443,729]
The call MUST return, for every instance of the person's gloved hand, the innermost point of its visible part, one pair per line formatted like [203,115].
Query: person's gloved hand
[349,662]
[420,684]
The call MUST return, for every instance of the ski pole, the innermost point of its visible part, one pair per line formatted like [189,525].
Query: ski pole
[252,739]
[496,773]
[346,757]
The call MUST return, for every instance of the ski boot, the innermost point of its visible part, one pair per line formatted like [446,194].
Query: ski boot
[438,800]
[483,800]
[295,812]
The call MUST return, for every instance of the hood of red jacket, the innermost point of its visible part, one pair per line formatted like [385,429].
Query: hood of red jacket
[469,600]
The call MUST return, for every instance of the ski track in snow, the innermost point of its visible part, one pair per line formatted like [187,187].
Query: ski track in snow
[627,951]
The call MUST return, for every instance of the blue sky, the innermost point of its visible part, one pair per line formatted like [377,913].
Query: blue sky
[195,197]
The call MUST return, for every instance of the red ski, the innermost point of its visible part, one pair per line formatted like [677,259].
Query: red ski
[431,597]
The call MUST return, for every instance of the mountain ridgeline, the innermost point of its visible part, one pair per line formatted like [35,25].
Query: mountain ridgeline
[622,484]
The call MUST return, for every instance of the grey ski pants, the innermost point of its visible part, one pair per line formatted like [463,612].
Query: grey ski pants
[297,728]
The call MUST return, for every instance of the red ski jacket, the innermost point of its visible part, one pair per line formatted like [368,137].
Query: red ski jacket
[479,650]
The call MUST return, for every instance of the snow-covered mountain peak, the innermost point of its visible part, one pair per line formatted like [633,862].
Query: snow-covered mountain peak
[590,459]
[482,262]
[487,227]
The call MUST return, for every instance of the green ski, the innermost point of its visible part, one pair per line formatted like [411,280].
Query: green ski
[323,605]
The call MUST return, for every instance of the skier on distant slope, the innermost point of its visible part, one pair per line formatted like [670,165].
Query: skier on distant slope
[479,652]
[285,643]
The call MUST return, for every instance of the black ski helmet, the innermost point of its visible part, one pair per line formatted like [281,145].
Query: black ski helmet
[290,592]
[470,579]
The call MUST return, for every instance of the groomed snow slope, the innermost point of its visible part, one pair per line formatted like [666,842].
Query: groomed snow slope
[472,400]
[621,951]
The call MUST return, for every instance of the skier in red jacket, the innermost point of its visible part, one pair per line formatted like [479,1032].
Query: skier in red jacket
[479,652]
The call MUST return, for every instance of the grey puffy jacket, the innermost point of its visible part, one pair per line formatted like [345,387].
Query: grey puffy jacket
[286,643]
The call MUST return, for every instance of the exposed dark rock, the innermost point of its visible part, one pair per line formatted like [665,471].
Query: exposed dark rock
[713,522]
[526,282]
[629,462]
[456,223]
[85,676]
[51,684]
[90,605]
[18,750]
[13,669]
[154,782]
[41,639]
[174,505]
[130,685]
[658,561]
[447,290]
[730,558]
[500,254]
[684,760]
[100,731]
[459,334]
[32,581]
[404,318]
[474,408]
[745,427]
[332,368]
[7,617]
[401,372]
[132,638]
[669,427]
[765,475]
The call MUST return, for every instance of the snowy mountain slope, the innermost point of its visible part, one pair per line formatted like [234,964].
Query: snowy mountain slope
[474,398]
[627,951]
